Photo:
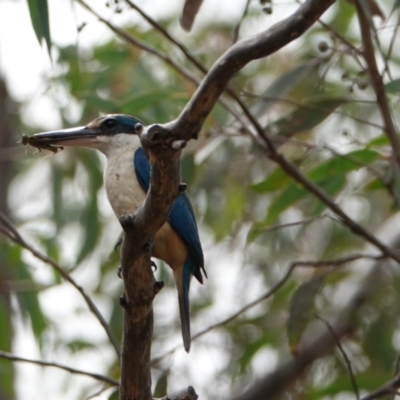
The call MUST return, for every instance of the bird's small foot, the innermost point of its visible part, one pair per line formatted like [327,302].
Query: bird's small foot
[153,265]
[158,285]
[126,221]
[118,245]
[119,272]
[122,301]
[147,247]
[182,187]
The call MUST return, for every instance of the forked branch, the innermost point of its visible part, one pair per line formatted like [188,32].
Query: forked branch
[163,145]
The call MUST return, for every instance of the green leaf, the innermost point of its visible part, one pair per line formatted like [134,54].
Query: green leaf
[29,303]
[188,167]
[330,176]
[278,179]
[281,86]
[251,350]
[395,171]
[379,141]
[101,104]
[91,227]
[305,117]
[39,13]
[343,16]
[378,340]
[144,99]
[343,164]
[161,386]
[331,186]
[300,309]
[114,395]
[393,86]
[77,345]
[57,180]
[6,336]
[376,184]
[288,197]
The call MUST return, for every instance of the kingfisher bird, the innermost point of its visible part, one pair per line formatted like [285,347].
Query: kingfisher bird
[127,179]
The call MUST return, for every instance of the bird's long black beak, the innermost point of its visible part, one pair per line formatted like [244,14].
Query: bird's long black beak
[54,141]
[81,136]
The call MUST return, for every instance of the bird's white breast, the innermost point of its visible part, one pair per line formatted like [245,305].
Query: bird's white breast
[123,189]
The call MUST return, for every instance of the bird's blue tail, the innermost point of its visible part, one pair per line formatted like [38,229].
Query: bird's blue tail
[182,278]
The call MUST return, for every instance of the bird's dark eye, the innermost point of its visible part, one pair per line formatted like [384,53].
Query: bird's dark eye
[110,123]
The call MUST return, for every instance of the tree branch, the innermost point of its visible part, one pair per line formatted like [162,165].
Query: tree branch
[304,263]
[99,377]
[192,117]
[314,345]
[11,232]
[388,388]
[140,286]
[344,355]
[376,81]
[187,74]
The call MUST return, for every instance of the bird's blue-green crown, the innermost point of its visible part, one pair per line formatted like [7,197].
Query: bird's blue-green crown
[113,124]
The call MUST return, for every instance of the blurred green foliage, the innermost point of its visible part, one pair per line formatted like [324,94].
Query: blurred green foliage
[316,106]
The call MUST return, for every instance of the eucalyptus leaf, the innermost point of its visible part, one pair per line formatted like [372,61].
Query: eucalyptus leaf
[281,86]
[39,13]
[304,117]
[300,309]
[393,86]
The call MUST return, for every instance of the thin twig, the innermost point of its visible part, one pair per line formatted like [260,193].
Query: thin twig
[168,60]
[396,372]
[315,345]
[287,225]
[390,387]
[98,393]
[273,290]
[239,24]
[99,377]
[391,45]
[295,173]
[318,108]
[268,147]
[188,55]
[225,321]
[337,35]
[168,36]
[377,82]
[142,45]
[9,230]
[345,357]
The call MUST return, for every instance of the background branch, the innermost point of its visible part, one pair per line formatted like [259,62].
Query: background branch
[316,345]
[99,377]
[11,232]
[376,80]
[192,117]
[270,292]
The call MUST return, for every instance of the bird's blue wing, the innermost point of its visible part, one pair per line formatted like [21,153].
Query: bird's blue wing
[181,217]
[142,169]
